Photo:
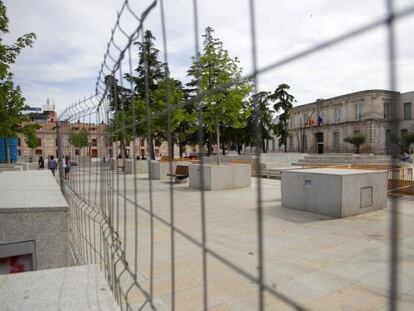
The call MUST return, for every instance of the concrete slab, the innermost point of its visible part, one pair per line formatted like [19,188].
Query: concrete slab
[334,192]
[74,288]
[32,208]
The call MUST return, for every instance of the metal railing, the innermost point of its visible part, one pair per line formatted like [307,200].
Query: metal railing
[115,223]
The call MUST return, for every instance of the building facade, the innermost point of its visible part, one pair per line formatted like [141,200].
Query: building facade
[322,126]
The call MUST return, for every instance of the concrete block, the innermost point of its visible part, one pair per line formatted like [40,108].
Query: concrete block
[32,208]
[334,192]
[221,177]
[159,170]
[81,288]
[141,166]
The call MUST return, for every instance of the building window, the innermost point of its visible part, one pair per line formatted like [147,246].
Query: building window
[386,111]
[39,140]
[76,151]
[358,111]
[19,142]
[336,140]
[357,132]
[19,152]
[305,119]
[404,132]
[142,142]
[94,142]
[338,114]
[38,152]
[407,111]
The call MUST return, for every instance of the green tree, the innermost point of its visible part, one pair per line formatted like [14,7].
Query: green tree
[406,140]
[357,140]
[214,68]
[284,104]
[31,139]
[264,116]
[12,102]
[79,139]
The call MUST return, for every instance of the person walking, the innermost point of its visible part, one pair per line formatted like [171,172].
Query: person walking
[41,163]
[52,164]
[66,164]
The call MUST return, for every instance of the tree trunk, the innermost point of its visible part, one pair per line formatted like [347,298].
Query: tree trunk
[171,150]
[239,149]
[151,147]
[180,149]
[6,144]
[210,145]
[357,149]
[218,144]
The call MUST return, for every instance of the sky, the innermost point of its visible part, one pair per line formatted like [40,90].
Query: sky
[72,38]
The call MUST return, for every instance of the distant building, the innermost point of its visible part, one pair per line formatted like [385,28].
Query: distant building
[321,126]
[46,118]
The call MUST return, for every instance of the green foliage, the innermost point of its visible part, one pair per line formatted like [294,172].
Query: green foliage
[213,69]
[357,140]
[283,102]
[407,139]
[79,139]
[264,116]
[12,102]
[29,132]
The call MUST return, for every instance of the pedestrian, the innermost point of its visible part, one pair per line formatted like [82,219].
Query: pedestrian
[41,163]
[52,164]
[66,163]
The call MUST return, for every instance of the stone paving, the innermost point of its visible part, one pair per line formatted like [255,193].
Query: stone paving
[318,262]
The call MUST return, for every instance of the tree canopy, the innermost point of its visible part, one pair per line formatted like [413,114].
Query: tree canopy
[12,102]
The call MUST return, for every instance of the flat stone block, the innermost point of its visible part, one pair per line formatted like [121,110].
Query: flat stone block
[334,192]
[32,208]
[74,288]
[221,177]
[141,166]
[159,170]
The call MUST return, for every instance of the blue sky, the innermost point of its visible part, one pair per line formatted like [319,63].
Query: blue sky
[72,38]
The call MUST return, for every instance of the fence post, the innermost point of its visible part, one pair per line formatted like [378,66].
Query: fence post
[60,156]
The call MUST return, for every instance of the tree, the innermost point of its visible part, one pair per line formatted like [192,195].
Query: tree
[264,117]
[215,68]
[31,139]
[79,139]
[283,102]
[12,102]
[357,140]
[406,140]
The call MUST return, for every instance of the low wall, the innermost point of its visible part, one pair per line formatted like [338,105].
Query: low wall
[34,211]
[221,177]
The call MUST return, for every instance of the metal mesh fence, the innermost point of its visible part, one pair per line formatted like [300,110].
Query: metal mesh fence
[156,238]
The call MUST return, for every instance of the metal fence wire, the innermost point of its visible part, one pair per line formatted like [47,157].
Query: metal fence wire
[154,239]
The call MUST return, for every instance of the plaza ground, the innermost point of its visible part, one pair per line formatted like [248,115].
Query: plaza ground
[318,262]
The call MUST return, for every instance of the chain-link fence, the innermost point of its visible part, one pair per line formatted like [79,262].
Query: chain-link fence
[154,237]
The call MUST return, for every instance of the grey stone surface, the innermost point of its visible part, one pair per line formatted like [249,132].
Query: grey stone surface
[32,207]
[221,177]
[334,192]
[74,288]
[141,166]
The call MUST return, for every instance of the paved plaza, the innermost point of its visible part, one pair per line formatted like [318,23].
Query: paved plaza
[318,262]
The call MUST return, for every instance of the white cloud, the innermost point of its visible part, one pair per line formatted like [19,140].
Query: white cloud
[72,38]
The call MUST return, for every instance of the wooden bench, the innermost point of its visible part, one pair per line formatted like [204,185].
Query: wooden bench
[181,172]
